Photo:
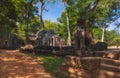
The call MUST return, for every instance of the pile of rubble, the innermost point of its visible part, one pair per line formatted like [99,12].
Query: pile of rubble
[27,48]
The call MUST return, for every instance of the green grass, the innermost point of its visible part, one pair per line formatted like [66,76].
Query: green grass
[51,63]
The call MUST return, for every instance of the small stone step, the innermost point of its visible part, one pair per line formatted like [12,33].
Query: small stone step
[110,62]
[110,68]
[108,54]
[108,74]
[85,62]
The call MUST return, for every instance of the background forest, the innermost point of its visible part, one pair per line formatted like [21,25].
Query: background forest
[23,17]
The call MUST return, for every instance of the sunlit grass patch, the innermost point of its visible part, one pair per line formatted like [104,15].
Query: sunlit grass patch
[52,64]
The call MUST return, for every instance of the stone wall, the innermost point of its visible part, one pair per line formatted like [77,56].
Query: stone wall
[48,38]
[91,67]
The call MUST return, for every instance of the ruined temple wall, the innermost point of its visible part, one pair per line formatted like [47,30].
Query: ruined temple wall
[48,38]
[52,41]
[91,67]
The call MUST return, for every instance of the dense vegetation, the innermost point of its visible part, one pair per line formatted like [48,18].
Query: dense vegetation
[22,17]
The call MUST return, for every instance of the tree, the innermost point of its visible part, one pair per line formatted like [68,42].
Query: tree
[43,4]
[49,25]
[107,16]
[109,37]
[67,21]
[92,10]
[34,25]
[97,32]
[116,41]
[41,12]
[68,24]
[8,19]
[26,11]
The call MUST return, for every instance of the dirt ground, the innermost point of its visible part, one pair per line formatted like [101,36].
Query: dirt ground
[14,64]
[17,65]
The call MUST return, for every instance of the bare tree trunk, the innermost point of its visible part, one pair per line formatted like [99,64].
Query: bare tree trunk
[41,11]
[27,25]
[103,33]
[68,27]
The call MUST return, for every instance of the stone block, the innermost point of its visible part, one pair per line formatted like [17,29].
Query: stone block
[111,62]
[72,70]
[111,55]
[90,63]
[92,67]
[110,68]
[108,74]
[73,61]
[101,46]
[64,68]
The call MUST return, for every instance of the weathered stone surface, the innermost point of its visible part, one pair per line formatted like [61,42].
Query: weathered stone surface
[107,54]
[79,72]
[92,67]
[48,38]
[110,62]
[83,66]
[72,70]
[73,76]
[110,67]
[108,74]
[112,55]
[100,46]
[13,42]
[27,48]
[71,61]
[64,68]
[90,63]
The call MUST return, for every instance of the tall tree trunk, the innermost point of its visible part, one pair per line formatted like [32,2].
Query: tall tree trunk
[103,33]
[68,28]
[28,20]
[27,25]
[41,11]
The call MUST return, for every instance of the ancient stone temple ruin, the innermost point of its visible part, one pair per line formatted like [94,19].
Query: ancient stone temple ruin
[48,38]
[95,62]
[12,42]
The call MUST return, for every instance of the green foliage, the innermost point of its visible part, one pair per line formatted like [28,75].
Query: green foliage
[51,25]
[20,9]
[52,63]
[101,14]
[97,33]
[7,18]
[18,16]
[110,36]
[36,1]
[34,25]
[116,41]
[63,24]
[27,21]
